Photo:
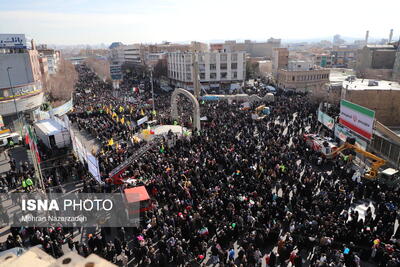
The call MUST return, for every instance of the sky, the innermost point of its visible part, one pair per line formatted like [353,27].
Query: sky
[68,22]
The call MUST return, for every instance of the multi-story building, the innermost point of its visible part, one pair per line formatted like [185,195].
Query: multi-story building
[171,47]
[217,70]
[254,49]
[323,60]
[344,56]
[120,55]
[20,78]
[302,80]
[379,95]
[151,59]
[297,75]
[44,67]
[280,59]
[52,56]
[378,61]
[132,54]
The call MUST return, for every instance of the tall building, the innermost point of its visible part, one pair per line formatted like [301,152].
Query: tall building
[280,59]
[343,56]
[254,49]
[20,78]
[52,56]
[217,70]
[378,61]
[297,75]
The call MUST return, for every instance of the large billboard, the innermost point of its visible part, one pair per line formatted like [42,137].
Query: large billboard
[343,133]
[12,41]
[359,119]
[326,120]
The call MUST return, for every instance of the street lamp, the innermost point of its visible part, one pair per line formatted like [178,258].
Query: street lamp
[12,92]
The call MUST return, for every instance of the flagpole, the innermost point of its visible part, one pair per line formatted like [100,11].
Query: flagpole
[36,164]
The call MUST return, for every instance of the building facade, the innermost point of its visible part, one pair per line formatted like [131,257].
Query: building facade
[52,56]
[302,80]
[343,56]
[217,70]
[254,49]
[280,59]
[323,60]
[378,62]
[20,82]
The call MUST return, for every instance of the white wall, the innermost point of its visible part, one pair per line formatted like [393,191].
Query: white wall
[21,72]
[179,66]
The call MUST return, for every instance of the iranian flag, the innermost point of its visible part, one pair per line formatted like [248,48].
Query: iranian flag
[30,138]
[359,119]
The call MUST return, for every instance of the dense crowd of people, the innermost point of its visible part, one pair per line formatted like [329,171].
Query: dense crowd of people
[237,192]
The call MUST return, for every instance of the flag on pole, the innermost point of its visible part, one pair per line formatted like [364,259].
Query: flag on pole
[31,139]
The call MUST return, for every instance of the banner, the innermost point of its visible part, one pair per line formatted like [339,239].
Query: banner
[142,120]
[61,110]
[326,120]
[343,133]
[210,98]
[359,119]
[93,165]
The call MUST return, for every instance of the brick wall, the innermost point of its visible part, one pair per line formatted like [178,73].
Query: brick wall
[384,102]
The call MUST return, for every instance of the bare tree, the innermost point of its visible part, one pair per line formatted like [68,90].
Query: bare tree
[100,67]
[59,86]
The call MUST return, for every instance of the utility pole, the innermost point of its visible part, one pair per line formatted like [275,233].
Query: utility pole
[196,79]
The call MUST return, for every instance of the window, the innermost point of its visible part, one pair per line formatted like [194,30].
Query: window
[234,75]
[213,66]
[213,58]
[188,76]
[234,66]
[202,67]
[202,76]
[233,57]
[188,67]
[223,66]
[292,78]
[213,75]
[224,75]
[224,57]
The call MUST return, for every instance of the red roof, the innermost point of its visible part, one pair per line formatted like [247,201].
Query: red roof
[136,194]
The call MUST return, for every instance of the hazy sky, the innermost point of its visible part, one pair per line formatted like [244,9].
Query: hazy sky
[130,21]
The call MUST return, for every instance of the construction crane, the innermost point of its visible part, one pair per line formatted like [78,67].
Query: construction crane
[377,162]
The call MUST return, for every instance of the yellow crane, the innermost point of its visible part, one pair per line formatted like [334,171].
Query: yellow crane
[377,162]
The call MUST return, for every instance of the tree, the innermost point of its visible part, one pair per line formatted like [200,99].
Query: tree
[160,69]
[252,70]
[100,67]
[58,87]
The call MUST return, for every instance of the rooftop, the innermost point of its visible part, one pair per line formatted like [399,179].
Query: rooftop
[381,46]
[365,84]
[340,75]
